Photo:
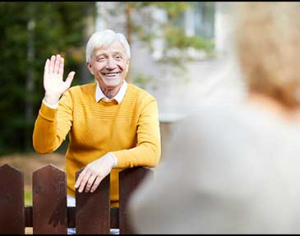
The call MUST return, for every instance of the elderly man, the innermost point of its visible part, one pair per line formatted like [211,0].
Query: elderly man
[111,124]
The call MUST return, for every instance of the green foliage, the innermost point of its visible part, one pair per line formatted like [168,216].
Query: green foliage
[142,80]
[173,32]
[27,197]
[176,39]
[58,27]
[177,44]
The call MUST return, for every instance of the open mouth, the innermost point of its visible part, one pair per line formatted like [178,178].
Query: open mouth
[111,75]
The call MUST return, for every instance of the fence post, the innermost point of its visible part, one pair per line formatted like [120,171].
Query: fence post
[49,201]
[129,180]
[93,209]
[12,217]
[49,210]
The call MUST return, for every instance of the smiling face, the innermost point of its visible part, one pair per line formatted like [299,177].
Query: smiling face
[109,65]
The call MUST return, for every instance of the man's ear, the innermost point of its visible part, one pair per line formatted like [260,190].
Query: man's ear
[89,66]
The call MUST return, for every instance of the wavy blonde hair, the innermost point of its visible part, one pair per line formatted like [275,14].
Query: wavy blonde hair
[268,47]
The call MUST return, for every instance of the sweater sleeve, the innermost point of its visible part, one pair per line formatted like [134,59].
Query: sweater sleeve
[52,125]
[148,149]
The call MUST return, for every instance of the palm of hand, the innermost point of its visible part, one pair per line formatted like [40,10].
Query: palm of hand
[53,77]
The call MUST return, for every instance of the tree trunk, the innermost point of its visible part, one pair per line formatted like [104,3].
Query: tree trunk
[30,75]
[89,29]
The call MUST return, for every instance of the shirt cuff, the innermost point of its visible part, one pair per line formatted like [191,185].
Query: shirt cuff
[114,159]
[55,106]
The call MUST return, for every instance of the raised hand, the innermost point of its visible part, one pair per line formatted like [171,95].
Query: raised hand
[54,84]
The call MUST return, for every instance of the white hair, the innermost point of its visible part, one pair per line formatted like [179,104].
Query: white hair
[104,38]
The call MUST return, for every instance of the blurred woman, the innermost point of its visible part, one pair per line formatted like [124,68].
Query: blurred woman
[237,170]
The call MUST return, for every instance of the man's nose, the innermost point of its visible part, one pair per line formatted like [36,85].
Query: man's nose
[111,64]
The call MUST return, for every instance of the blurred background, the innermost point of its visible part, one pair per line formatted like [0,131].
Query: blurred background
[181,54]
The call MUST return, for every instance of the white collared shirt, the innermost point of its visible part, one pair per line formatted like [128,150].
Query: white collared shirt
[119,96]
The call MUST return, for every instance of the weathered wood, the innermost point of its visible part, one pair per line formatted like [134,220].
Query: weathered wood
[71,212]
[12,217]
[49,201]
[28,216]
[50,214]
[129,180]
[114,217]
[93,209]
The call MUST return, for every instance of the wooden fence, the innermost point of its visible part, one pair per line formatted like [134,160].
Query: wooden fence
[49,213]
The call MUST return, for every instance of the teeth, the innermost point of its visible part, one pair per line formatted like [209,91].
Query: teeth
[111,74]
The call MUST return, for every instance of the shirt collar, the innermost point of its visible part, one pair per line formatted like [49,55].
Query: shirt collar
[119,96]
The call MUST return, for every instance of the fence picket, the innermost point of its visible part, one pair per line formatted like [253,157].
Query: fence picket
[49,213]
[49,201]
[93,209]
[129,180]
[12,217]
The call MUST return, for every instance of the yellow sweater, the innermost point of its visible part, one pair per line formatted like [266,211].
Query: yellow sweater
[130,130]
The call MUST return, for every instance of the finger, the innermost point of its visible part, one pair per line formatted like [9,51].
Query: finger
[84,180]
[90,182]
[96,184]
[61,66]
[46,67]
[70,78]
[80,177]
[52,61]
[56,65]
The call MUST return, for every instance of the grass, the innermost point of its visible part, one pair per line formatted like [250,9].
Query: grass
[27,198]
